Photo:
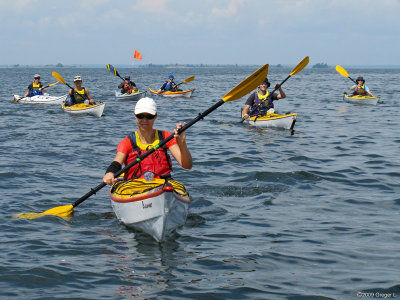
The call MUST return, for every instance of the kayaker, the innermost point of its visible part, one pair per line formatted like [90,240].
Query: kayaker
[35,88]
[127,86]
[360,88]
[257,103]
[169,85]
[156,165]
[79,94]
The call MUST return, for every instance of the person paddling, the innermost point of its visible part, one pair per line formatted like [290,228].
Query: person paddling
[156,165]
[259,102]
[169,85]
[35,88]
[360,88]
[79,94]
[128,86]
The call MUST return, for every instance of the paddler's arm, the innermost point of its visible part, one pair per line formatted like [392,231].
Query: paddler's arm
[113,168]
[245,112]
[281,94]
[180,150]
[91,101]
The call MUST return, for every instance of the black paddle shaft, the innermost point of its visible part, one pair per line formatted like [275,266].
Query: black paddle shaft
[144,155]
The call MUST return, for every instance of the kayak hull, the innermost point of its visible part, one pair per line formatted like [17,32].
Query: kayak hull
[82,108]
[42,99]
[186,94]
[133,96]
[361,100]
[155,207]
[284,121]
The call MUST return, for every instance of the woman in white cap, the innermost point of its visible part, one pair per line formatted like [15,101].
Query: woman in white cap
[158,164]
[35,88]
[79,94]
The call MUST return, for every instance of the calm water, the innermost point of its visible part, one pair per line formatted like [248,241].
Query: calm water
[313,215]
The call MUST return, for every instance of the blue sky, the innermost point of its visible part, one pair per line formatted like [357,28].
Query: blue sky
[364,32]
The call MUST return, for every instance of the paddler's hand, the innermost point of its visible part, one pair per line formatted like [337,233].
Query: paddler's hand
[180,138]
[109,178]
[246,116]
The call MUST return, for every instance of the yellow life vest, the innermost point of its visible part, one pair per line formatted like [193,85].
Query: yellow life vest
[262,97]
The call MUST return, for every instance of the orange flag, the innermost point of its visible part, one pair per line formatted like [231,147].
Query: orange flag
[137,55]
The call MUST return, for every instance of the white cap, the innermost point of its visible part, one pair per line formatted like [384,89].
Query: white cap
[146,105]
[36,76]
[76,78]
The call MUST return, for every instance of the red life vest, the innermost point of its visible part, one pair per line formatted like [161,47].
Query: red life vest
[127,88]
[159,162]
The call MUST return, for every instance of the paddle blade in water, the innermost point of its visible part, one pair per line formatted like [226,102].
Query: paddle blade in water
[60,211]
[300,66]
[342,71]
[247,85]
[58,77]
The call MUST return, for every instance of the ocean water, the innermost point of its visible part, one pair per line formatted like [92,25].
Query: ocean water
[309,214]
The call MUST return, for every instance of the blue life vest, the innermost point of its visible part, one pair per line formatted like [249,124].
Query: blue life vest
[35,90]
[260,105]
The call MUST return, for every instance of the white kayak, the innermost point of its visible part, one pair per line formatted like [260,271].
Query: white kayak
[83,108]
[273,120]
[132,96]
[361,100]
[41,99]
[156,207]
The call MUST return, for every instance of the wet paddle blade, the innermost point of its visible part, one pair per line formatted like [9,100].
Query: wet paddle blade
[58,77]
[60,211]
[342,71]
[247,85]
[300,66]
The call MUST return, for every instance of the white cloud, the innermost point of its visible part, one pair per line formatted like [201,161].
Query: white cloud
[229,11]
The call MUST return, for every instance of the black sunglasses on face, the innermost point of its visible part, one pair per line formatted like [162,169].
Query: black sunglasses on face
[148,117]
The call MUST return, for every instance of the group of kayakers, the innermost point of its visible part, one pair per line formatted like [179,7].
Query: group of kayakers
[158,164]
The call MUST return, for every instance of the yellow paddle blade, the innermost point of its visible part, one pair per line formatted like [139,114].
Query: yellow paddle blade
[342,71]
[58,77]
[108,67]
[300,66]
[188,79]
[247,85]
[51,84]
[60,211]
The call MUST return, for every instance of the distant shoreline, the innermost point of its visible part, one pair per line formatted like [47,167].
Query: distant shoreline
[175,66]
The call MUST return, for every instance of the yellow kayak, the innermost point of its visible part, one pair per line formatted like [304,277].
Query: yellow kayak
[170,94]
[363,100]
[83,108]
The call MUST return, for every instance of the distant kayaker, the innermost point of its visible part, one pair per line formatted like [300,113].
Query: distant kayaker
[79,94]
[128,86]
[35,88]
[156,165]
[360,88]
[169,85]
[257,103]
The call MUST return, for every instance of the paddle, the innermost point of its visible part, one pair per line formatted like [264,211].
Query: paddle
[191,78]
[296,70]
[59,78]
[45,87]
[344,73]
[114,71]
[243,88]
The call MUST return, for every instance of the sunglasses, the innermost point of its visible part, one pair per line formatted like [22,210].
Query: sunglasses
[148,117]
[36,78]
